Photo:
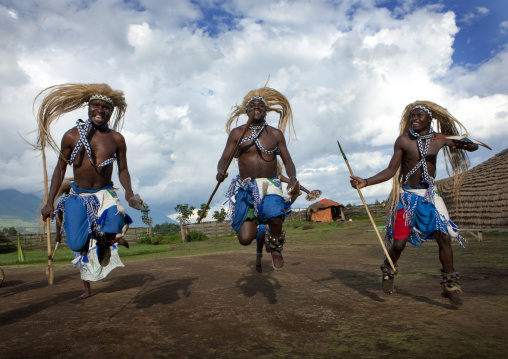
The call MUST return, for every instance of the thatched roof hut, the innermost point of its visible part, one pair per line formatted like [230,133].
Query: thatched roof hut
[483,195]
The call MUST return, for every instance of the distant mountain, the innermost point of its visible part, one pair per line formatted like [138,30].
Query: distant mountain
[15,204]
[158,218]
[22,210]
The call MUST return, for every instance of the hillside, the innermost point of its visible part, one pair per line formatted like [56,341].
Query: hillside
[21,210]
[16,204]
[18,209]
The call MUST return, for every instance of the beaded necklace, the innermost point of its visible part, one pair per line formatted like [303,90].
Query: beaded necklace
[423,149]
[256,132]
[83,128]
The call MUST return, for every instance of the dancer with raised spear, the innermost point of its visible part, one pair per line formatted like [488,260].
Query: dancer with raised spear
[417,211]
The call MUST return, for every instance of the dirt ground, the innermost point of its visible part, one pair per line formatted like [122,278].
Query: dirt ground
[326,303]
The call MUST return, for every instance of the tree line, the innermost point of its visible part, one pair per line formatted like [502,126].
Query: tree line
[185,212]
[8,231]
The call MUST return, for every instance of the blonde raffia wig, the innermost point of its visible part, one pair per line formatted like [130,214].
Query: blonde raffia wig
[61,99]
[275,102]
[455,158]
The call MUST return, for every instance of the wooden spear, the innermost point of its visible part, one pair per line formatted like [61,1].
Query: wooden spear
[368,211]
[231,156]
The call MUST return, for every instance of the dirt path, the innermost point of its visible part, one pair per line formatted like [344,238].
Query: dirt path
[326,303]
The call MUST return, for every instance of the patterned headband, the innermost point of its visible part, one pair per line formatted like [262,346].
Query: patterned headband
[423,109]
[103,98]
[256,98]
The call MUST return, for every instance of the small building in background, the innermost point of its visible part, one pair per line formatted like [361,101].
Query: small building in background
[326,210]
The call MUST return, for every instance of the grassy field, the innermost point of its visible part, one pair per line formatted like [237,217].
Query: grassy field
[22,225]
[212,245]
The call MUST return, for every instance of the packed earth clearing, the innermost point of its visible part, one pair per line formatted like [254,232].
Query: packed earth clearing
[327,302]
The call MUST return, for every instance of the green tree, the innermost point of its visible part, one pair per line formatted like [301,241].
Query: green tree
[185,211]
[166,229]
[9,231]
[220,216]
[146,219]
[203,205]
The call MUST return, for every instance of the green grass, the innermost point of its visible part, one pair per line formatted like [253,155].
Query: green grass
[295,234]
[173,247]
[322,229]
[137,251]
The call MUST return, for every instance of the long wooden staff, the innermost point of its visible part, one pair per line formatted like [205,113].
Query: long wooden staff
[231,156]
[368,211]
[49,269]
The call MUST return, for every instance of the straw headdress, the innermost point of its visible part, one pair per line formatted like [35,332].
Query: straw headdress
[61,99]
[275,101]
[455,159]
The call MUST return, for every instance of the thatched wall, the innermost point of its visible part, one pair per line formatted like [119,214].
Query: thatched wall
[483,195]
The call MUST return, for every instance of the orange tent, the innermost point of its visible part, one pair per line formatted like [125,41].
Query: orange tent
[325,210]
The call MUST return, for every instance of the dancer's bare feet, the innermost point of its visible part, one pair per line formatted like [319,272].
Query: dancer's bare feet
[85,295]
[88,290]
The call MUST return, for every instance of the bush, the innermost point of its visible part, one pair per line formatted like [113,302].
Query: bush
[174,238]
[158,239]
[166,229]
[144,240]
[197,236]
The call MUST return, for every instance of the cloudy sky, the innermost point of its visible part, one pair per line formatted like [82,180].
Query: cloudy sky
[348,67]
